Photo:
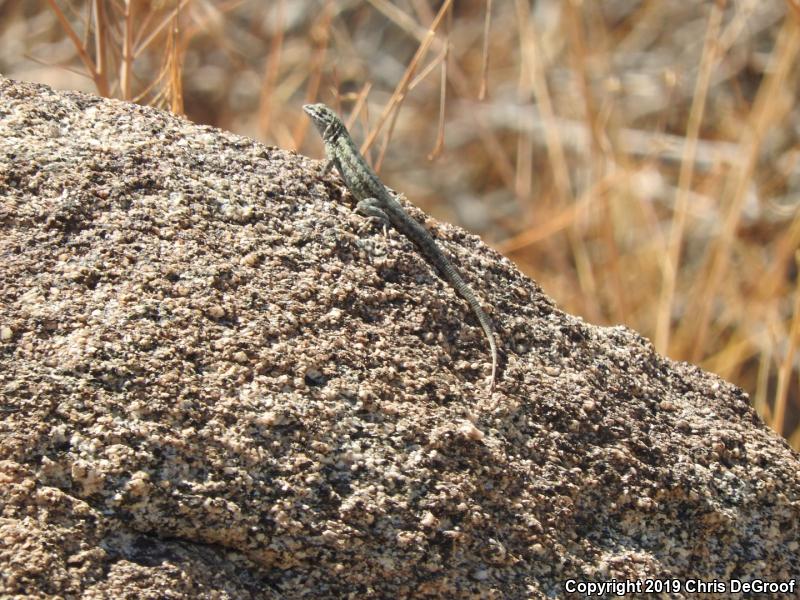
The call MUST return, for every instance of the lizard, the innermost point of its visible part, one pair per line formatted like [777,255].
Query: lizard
[375,200]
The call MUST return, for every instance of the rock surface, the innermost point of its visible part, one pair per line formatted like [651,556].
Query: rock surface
[218,381]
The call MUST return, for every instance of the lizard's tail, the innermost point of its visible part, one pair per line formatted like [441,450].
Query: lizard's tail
[429,248]
[486,325]
[487,329]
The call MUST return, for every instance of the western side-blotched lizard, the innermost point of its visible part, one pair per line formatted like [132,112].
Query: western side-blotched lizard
[375,200]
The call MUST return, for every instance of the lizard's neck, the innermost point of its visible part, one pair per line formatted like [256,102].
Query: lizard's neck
[334,131]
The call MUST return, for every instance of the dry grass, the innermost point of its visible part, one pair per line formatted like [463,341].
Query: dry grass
[638,159]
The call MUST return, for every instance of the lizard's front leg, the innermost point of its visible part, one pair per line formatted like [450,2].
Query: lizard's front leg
[329,165]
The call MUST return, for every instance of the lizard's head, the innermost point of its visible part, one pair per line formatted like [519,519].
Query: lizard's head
[326,121]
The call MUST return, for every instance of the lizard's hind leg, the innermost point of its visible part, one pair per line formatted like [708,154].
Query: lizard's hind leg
[370,207]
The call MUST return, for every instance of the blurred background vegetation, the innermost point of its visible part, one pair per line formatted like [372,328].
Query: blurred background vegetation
[638,159]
